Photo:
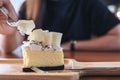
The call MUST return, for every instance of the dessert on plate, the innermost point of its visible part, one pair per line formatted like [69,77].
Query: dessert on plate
[42,50]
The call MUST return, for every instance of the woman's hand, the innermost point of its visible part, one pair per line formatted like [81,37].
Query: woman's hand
[6,29]
[11,11]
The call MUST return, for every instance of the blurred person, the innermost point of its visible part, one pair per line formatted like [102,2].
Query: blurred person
[88,22]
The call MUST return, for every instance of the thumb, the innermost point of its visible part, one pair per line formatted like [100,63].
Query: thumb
[11,11]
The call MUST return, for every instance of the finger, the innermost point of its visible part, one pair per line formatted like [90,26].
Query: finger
[2,16]
[7,4]
[6,29]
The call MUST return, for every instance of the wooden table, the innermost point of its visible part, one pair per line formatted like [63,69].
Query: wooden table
[98,56]
[87,56]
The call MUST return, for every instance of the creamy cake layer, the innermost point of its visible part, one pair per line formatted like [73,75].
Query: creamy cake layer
[41,58]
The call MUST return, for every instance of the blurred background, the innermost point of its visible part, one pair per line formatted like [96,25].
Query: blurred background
[113,5]
[17,4]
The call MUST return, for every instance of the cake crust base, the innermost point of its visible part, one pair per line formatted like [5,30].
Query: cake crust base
[45,68]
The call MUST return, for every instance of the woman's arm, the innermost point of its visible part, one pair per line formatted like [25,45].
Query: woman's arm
[110,41]
[10,38]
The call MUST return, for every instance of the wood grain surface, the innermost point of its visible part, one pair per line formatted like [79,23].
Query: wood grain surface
[11,69]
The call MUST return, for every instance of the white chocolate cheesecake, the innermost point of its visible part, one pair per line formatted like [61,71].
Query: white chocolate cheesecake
[43,51]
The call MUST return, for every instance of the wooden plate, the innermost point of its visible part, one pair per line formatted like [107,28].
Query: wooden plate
[11,69]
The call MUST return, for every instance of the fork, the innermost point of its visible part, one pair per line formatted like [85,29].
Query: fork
[10,21]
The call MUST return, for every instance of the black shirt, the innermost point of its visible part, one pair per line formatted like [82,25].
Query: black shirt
[78,19]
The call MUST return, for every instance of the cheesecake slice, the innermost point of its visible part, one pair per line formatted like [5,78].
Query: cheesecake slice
[43,50]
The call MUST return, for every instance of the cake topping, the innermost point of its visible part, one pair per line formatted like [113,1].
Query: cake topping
[39,39]
[25,26]
[45,37]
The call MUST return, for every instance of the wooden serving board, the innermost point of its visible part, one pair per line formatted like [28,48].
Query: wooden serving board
[11,69]
[93,68]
